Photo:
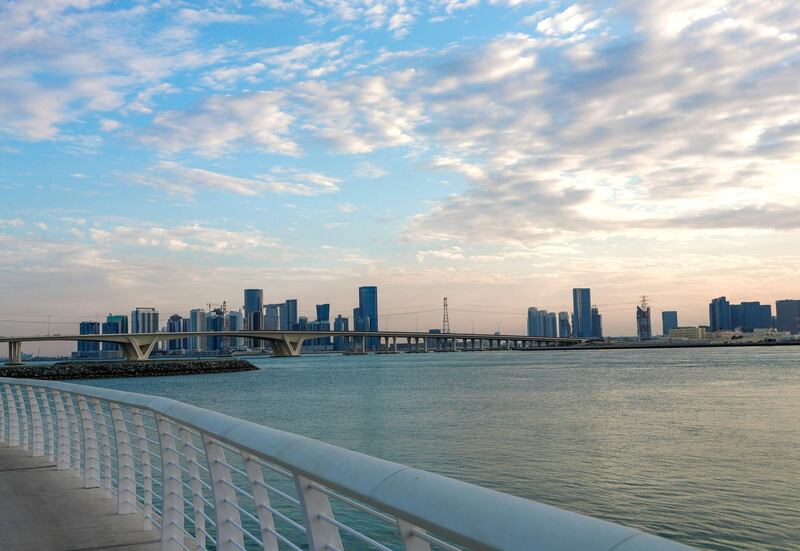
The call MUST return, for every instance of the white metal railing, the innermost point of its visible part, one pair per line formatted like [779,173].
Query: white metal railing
[209,481]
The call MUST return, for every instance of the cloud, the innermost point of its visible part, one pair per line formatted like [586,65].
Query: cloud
[366,169]
[12,223]
[219,123]
[176,178]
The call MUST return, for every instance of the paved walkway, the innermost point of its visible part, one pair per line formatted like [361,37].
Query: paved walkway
[47,510]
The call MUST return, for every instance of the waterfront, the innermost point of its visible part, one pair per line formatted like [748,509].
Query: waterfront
[697,445]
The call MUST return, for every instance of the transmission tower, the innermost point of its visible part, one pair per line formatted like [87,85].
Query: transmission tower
[445,317]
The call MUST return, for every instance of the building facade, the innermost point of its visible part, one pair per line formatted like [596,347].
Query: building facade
[114,325]
[341,323]
[144,320]
[175,324]
[582,313]
[644,328]
[564,329]
[669,321]
[197,322]
[542,323]
[719,314]
[368,310]
[89,349]
[787,316]
[597,323]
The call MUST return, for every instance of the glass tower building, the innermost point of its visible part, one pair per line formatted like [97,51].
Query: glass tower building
[669,321]
[582,313]
[368,311]
[787,313]
[719,315]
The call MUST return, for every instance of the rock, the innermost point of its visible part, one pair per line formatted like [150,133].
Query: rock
[115,369]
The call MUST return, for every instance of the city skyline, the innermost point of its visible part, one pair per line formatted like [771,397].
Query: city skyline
[497,153]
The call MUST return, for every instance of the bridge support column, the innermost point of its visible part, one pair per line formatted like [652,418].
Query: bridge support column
[14,353]
[394,345]
[138,349]
[288,346]
[363,344]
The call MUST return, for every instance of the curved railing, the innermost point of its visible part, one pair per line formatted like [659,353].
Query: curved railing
[210,481]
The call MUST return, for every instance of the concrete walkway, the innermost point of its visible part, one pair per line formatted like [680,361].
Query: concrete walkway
[47,510]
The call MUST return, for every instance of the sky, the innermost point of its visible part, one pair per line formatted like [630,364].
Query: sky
[499,153]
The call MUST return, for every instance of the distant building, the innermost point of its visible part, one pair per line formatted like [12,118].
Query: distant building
[669,321]
[236,323]
[175,325]
[253,314]
[197,322]
[751,316]
[582,313]
[291,315]
[564,329]
[689,333]
[283,316]
[144,320]
[114,325]
[368,308]
[597,323]
[644,328]
[541,323]
[89,349]
[719,314]
[765,317]
[736,316]
[787,316]
[341,323]
[216,321]
[272,317]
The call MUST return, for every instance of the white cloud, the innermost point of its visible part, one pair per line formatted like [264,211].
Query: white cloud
[366,169]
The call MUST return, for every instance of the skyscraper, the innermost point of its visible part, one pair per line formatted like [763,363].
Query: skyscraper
[582,313]
[236,323]
[564,329]
[644,328]
[89,349]
[323,323]
[751,316]
[787,313]
[175,325]
[368,307]
[764,316]
[253,312]
[283,316]
[541,323]
[144,320]
[114,325]
[291,314]
[340,324]
[669,321]
[719,314]
[736,316]
[272,317]
[597,323]
[197,322]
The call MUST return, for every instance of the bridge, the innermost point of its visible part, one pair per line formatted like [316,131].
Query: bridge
[111,470]
[139,346]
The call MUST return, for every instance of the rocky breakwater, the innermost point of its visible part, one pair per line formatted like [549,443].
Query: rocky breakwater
[115,369]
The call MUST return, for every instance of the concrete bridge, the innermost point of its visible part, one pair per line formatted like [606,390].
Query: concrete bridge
[139,346]
[88,468]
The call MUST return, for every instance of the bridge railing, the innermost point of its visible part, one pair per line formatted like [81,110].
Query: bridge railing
[205,480]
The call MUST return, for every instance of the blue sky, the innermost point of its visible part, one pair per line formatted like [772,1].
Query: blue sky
[497,152]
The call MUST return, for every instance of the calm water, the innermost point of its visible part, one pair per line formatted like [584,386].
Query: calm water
[699,445]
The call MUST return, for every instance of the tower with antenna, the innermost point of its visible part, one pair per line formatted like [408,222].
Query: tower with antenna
[445,317]
[643,326]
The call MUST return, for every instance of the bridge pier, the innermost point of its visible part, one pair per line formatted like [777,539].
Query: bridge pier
[287,347]
[14,353]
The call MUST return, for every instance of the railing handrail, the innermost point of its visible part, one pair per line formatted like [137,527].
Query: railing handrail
[465,513]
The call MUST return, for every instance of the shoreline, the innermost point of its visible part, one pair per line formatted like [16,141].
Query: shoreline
[65,371]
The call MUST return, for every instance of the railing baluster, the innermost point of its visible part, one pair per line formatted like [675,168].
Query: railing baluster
[108,483]
[265,519]
[74,435]
[13,418]
[172,511]
[91,455]
[228,517]
[23,415]
[2,414]
[38,428]
[64,441]
[51,430]
[321,535]
[190,455]
[410,540]
[147,471]
[126,468]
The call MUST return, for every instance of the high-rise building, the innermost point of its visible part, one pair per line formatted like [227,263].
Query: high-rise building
[253,314]
[541,323]
[719,314]
[582,313]
[751,316]
[341,323]
[765,316]
[322,323]
[597,323]
[283,316]
[89,349]
[175,325]
[114,325]
[144,320]
[291,314]
[564,329]
[644,326]
[669,321]
[736,316]
[236,323]
[787,316]
[197,322]
[368,306]
[216,321]
[272,317]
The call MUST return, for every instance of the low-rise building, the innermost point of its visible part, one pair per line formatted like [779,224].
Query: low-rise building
[688,333]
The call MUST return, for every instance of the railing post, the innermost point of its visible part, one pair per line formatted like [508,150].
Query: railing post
[411,541]
[147,471]
[172,498]
[126,468]
[38,429]
[13,418]
[75,439]
[192,465]
[51,429]
[321,534]
[2,415]
[108,483]
[64,443]
[91,455]
[23,415]
[228,536]
[265,519]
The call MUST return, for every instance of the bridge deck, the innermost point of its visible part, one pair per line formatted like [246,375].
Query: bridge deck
[49,510]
